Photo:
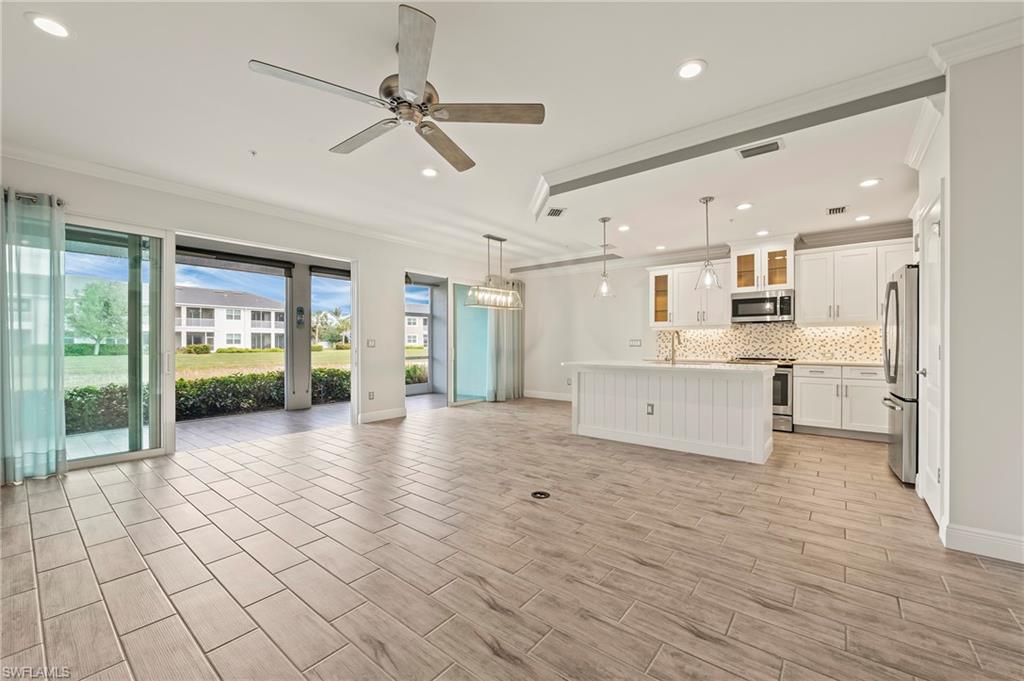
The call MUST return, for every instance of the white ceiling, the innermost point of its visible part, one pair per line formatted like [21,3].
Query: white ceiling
[162,89]
[791,189]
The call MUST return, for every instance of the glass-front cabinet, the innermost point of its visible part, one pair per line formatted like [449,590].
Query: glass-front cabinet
[762,266]
[660,299]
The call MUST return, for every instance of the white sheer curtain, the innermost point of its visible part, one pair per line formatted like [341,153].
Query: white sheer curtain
[31,336]
[506,352]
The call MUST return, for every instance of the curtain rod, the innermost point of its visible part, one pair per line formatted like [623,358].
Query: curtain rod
[33,198]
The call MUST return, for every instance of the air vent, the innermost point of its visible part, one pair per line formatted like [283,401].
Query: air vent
[759,149]
[837,210]
[556,212]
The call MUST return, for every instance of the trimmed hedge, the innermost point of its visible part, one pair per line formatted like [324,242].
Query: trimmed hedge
[195,349]
[85,349]
[415,373]
[92,408]
[316,348]
[235,351]
[342,346]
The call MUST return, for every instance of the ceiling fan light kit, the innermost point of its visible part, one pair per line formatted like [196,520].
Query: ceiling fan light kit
[411,98]
[495,293]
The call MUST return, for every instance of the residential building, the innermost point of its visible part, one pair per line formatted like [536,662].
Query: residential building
[227,319]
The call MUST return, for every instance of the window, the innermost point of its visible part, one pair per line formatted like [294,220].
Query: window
[410,321]
[260,341]
[234,314]
[410,340]
[278,340]
[234,339]
[279,316]
[424,320]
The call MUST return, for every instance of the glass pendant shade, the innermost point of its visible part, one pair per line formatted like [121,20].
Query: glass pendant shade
[604,287]
[708,278]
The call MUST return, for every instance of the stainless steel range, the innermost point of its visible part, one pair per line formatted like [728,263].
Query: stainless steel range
[782,389]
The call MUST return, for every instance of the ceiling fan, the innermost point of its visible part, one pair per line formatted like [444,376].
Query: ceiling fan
[411,98]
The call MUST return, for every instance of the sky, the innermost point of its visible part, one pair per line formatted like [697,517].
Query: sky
[328,293]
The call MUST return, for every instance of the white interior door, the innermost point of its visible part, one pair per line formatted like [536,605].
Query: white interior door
[930,359]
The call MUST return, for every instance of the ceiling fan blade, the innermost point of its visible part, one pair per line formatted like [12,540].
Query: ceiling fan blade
[415,41]
[444,145]
[489,113]
[309,81]
[360,138]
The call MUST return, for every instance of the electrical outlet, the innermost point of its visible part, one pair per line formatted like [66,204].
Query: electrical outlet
[650,408]
[370,395]
[635,342]
[568,380]
[371,343]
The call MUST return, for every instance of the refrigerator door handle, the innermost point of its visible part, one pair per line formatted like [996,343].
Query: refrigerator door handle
[889,404]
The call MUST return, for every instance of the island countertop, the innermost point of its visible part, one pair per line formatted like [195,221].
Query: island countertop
[668,366]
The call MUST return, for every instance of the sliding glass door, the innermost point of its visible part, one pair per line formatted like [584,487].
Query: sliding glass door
[471,326]
[113,383]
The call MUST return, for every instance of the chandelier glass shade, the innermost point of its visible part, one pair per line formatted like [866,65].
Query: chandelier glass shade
[496,293]
[708,278]
[604,287]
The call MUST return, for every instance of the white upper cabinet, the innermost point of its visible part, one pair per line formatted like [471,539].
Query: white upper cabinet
[681,304]
[890,259]
[762,266]
[856,283]
[660,299]
[815,293]
[844,285]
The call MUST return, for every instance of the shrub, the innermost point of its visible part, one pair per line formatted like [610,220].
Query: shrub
[342,346]
[233,351]
[415,373]
[89,408]
[85,349]
[331,385]
[316,348]
[195,349]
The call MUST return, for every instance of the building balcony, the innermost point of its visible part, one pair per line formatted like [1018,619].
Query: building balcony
[193,322]
[278,325]
[261,324]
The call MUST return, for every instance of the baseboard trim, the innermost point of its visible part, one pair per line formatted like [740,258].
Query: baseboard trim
[686,446]
[985,542]
[382,415]
[543,395]
[847,434]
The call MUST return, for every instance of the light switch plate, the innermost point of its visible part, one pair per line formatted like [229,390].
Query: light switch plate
[370,395]
[635,342]
[568,380]
[650,408]
[371,342]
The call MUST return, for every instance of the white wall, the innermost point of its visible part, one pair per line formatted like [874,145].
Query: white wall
[986,285]
[381,265]
[565,322]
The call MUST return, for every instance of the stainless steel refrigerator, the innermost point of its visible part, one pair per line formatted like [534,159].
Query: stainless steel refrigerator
[899,349]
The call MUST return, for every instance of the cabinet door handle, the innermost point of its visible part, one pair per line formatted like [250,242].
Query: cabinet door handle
[846,391]
[698,315]
[704,316]
[830,312]
[837,312]
[816,371]
[837,390]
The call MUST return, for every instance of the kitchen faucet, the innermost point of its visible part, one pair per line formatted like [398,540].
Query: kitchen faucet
[676,336]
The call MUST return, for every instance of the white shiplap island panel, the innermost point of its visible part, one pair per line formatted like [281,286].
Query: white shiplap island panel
[722,410]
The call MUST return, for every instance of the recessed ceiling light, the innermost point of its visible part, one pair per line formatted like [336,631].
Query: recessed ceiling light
[47,25]
[744,206]
[623,228]
[762,232]
[428,172]
[692,68]
[862,218]
[659,248]
[871,182]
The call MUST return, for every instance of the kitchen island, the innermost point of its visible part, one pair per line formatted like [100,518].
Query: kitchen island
[715,409]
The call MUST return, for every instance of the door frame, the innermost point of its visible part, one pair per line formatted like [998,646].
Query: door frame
[166,336]
[452,388]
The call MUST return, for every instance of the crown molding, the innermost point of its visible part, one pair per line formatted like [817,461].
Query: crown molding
[997,38]
[928,119]
[867,85]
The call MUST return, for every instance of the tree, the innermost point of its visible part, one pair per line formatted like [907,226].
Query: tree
[100,312]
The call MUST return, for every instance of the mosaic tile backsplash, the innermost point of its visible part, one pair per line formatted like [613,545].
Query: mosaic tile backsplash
[828,343]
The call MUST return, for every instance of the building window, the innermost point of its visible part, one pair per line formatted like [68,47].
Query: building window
[279,316]
[410,321]
[410,340]
[278,340]
[424,320]
[234,314]
[260,341]
[234,339]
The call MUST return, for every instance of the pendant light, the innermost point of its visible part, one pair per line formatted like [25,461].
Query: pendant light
[708,278]
[496,292]
[604,289]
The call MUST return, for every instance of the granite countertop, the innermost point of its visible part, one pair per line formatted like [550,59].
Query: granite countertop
[666,366]
[838,363]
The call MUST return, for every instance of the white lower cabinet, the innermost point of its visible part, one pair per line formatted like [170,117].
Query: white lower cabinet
[817,402]
[843,398]
[862,406]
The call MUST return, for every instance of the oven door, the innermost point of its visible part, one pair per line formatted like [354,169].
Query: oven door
[782,392]
[755,307]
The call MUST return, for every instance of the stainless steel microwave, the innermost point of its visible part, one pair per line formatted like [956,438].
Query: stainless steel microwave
[763,306]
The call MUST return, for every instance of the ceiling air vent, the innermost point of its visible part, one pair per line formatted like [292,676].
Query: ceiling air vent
[759,149]
[837,210]
[556,212]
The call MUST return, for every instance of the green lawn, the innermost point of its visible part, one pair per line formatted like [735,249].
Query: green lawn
[101,370]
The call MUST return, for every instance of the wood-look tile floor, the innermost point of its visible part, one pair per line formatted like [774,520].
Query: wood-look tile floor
[412,550]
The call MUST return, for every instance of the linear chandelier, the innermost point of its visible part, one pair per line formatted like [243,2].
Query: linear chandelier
[496,292]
